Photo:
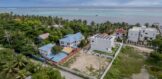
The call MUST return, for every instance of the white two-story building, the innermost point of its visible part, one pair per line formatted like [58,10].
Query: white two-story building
[143,33]
[102,42]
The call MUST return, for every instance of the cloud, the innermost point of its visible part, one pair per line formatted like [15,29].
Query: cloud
[125,3]
[144,3]
[54,3]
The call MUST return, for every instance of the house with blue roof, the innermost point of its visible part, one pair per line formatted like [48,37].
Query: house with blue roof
[71,40]
[46,49]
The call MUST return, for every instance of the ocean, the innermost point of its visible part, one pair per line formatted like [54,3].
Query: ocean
[99,15]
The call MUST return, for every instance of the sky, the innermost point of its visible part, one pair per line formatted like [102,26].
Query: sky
[60,3]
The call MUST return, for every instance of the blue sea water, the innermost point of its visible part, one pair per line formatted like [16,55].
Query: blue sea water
[99,15]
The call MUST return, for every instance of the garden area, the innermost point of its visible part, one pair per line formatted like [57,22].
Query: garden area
[130,61]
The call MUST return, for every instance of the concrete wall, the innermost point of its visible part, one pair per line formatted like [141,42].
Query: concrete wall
[150,34]
[102,44]
[133,35]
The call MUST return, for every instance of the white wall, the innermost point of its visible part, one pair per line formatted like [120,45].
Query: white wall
[102,44]
[150,34]
[140,33]
[133,35]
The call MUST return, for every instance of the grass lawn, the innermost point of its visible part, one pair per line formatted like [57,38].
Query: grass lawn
[127,63]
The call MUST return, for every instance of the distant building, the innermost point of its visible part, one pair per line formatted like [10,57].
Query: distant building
[141,34]
[133,34]
[71,40]
[56,26]
[160,30]
[46,49]
[43,36]
[102,42]
[120,33]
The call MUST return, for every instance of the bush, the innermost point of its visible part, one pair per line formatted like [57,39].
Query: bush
[56,49]
[83,43]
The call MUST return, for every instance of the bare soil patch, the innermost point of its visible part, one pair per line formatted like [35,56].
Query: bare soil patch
[89,64]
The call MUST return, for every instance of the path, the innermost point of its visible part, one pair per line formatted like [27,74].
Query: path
[143,49]
[68,75]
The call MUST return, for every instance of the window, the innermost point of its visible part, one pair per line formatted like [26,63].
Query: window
[62,42]
[150,38]
[145,38]
[92,40]
[146,33]
[68,43]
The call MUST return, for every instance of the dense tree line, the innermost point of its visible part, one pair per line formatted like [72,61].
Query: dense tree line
[17,66]
[20,32]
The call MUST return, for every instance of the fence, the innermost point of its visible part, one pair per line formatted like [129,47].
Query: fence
[109,66]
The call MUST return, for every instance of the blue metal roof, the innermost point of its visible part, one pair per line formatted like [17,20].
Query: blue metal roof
[72,37]
[47,47]
[58,57]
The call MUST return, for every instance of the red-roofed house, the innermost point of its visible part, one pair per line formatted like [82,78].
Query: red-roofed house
[120,32]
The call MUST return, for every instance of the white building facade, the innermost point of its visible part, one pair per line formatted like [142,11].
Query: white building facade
[160,29]
[142,34]
[102,42]
[133,34]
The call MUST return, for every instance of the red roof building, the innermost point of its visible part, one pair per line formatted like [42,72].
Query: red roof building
[120,32]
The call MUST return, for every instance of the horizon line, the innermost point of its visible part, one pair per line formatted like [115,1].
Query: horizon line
[80,6]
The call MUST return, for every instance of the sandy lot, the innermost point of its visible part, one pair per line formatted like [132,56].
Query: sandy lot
[85,61]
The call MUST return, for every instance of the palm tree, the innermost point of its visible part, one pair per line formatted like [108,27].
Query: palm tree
[22,74]
[8,69]
[20,61]
[7,37]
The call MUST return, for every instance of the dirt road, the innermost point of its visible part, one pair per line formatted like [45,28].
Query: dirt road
[142,49]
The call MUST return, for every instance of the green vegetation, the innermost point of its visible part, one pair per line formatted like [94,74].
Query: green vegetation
[20,32]
[56,49]
[17,66]
[127,63]
[154,61]
[83,43]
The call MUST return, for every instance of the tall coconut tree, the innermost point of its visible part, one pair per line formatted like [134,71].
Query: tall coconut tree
[22,74]
[20,61]
[8,69]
